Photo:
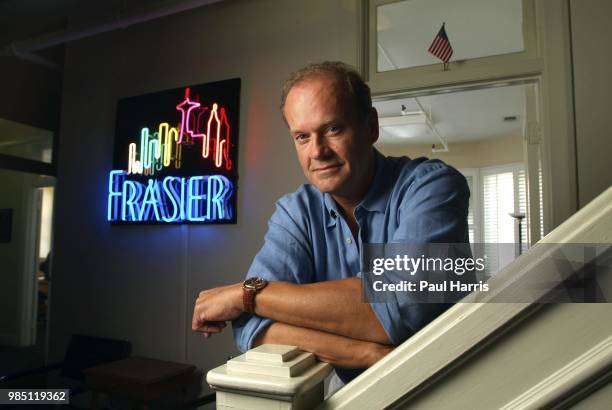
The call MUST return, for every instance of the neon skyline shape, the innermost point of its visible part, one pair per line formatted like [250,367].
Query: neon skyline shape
[156,151]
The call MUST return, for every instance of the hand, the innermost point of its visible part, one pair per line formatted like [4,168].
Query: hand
[378,351]
[214,307]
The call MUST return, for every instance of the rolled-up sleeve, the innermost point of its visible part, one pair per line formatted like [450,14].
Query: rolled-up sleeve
[432,208]
[285,256]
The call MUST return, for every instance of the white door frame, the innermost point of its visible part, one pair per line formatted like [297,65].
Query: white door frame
[32,205]
[547,59]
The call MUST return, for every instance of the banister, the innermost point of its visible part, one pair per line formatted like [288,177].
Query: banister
[467,327]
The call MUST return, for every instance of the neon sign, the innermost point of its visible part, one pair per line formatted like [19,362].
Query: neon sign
[181,149]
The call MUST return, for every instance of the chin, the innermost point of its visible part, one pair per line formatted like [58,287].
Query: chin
[331,184]
[326,186]
[323,188]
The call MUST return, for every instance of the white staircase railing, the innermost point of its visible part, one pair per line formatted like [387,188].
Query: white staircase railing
[482,354]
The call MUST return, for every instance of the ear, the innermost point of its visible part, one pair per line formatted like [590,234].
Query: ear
[373,125]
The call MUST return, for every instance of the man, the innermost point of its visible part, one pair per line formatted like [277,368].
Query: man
[303,287]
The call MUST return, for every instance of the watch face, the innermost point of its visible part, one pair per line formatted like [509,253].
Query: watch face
[255,283]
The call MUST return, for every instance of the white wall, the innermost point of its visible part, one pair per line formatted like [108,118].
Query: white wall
[471,154]
[592,59]
[140,282]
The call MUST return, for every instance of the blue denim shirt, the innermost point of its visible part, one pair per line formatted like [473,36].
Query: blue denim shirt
[308,240]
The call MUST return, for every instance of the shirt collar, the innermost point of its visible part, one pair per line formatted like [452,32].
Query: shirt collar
[375,199]
[377,196]
[332,210]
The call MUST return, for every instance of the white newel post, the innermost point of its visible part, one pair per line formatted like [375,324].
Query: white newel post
[270,377]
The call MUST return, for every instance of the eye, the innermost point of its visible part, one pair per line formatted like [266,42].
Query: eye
[300,137]
[333,129]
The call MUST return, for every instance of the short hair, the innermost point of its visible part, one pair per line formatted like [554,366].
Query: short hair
[348,78]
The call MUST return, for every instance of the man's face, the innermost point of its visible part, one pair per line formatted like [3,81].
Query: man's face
[333,146]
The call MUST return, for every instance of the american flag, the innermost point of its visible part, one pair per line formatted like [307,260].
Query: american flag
[441,47]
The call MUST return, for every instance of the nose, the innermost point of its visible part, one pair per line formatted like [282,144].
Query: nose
[318,147]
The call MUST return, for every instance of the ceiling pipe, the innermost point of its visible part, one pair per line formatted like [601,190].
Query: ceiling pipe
[24,49]
[431,125]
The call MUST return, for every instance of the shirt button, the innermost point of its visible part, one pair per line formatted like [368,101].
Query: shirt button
[349,240]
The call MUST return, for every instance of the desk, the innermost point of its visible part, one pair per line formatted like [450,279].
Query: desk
[139,379]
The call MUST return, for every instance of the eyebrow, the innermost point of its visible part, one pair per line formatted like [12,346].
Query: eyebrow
[294,132]
[321,127]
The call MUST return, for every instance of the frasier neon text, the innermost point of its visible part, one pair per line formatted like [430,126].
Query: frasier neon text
[173,199]
[162,181]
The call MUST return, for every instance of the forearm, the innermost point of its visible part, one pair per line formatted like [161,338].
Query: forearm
[331,348]
[330,306]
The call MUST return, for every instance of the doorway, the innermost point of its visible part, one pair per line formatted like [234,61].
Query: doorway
[490,134]
[26,213]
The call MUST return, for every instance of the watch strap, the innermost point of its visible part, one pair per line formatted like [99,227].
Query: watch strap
[248,300]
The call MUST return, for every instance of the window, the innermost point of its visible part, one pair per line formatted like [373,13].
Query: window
[476,28]
[498,201]
[491,39]
[473,181]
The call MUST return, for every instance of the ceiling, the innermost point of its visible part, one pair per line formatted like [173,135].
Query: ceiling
[24,19]
[459,116]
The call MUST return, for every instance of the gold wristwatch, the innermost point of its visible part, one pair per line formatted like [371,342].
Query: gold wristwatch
[250,288]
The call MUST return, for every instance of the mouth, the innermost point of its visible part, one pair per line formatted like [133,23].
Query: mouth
[327,167]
